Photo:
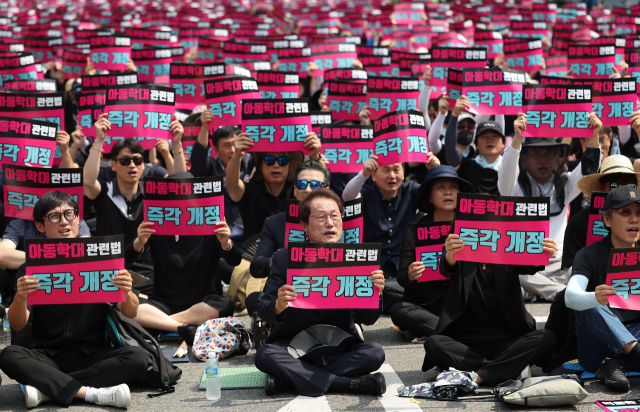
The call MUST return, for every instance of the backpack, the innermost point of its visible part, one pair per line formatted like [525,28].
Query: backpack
[224,336]
[121,331]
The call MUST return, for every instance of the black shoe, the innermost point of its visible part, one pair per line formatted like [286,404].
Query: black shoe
[611,372]
[187,333]
[373,384]
[273,385]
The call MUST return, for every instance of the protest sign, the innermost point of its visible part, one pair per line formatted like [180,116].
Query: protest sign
[74,63]
[346,147]
[319,120]
[278,85]
[556,66]
[529,29]
[375,60]
[596,229]
[184,207]
[72,271]
[31,85]
[409,13]
[333,55]
[618,43]
[626,405]
[99,83]
[429,241]
[591,61]
[445,58]
[277,125]
[623,274]
[389,94]
[110,53]
[346,99]
[525,56]
[494,91]
[632,58]
[401,62]
[614,100]
[141,38]
[234,52]
[46,107]
[153,65]
[188,80]
[141,111]
[90,107]
[400,137]
[454,88]
[27,142]
[348,75]
[333,275]
[353,221]
[24,186]
[489,40]
[502,229]
[21,67]
[191,132]
[557,110]
[295,60]
[224,98]
[209,50]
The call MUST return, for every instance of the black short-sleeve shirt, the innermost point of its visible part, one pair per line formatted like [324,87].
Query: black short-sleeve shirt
[258,203]
[592,262]
[115,215]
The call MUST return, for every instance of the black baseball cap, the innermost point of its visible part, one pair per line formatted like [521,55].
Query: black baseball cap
[490,125]
[621,197]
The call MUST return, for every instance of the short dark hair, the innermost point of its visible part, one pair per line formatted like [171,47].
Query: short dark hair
[606,130]
[129,143]
[305,206]
[608,214]
[222,133]
[50,201]
[310,164]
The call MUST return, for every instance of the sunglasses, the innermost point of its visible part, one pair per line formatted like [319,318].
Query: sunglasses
[315,184]
[468,126]
[69,214]
[271,160]
[126,160]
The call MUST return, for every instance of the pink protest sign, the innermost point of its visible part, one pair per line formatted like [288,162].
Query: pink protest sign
[346,99]
[191,132]
[333,55]
[241,52]
[278,85]
[21,67]
[596,229]
[557,110]
[72,271]
[209,50]
[90,107]
[140,111]
[188,80]
[184,207]
[353,221]
[502,229]
[347,75]
[74,64]
[591,61]
[293,231]
[490,40]
[452,39]
[224,98]
[618,43]
[389,94]
[256,66]
[110,53]
[624,405]
[409,13]
[623,273]
[295,60]
[614,100]
[556,66]
[632,58]
[320,120]
[153,65]
[46,107]
[31,85]
[444,58]
[429,243]
[494,91]
[400,137]
[141,38]
[346,147]
[99,83]
[401,62]
[41,47]
[24,186]
[375,60]
[333,275]
[529,29]
[454,88]
[277,125]
[27,142]
[525,55]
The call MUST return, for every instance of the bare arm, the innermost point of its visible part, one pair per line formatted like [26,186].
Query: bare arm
[92,166]
[162,146]
[18,312]
[179,162]
[232,181]
[129,307]
[10,257]
[63,140]
[76,142]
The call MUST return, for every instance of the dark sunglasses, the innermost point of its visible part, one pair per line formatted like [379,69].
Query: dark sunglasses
[271,160]
[469,126]
[126,160]
[315,184]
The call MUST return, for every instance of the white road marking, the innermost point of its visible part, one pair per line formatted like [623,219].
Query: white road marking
[541,319]
[307,404]
[390,399]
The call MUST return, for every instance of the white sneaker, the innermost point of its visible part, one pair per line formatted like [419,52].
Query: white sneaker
[526,373]
[118,396]
[33,397]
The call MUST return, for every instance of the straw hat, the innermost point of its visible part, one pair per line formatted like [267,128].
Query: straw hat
[610,165]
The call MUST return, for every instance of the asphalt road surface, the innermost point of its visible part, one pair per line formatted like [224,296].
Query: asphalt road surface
[402,366]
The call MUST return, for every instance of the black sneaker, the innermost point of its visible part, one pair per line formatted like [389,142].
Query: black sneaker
[187,333]
[273,385]
[611,372]
[373,384]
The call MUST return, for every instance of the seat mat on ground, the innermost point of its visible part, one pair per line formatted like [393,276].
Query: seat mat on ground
[590,375]
[238,378]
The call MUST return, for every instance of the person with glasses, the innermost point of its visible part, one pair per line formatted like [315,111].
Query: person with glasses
[540,175]
[310,175]
[350,371]
[119,202]
[267,192]
[69,358]
[480,170]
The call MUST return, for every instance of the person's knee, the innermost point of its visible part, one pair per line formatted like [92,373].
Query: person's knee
[375,355]
[138,358]
[228,309]
[548,341]
[263,355]
[9,356]
[395,312]
[433,344]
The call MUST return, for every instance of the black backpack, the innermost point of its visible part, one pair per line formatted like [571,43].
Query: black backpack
[121,331]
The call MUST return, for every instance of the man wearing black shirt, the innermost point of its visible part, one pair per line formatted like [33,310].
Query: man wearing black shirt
[69,358]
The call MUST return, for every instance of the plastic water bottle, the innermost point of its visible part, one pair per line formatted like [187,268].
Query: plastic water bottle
[212,370]
[7,329]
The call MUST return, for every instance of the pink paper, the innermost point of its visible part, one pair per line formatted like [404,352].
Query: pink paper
[400,137]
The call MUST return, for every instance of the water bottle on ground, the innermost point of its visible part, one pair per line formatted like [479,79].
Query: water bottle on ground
[212,370]
[7,329]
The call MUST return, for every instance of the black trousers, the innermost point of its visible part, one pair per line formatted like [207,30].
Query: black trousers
[495,363]
[311,380]
[391,294]
[252,302]
[60,376]
[414,318]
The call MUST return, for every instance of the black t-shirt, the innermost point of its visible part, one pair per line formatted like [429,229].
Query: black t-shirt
[56,327]
[592,262]
[484,180]
[258,203]
[575,237]
[110,208]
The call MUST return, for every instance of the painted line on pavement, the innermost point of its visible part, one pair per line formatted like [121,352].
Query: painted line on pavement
[390,399]
[307,404]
